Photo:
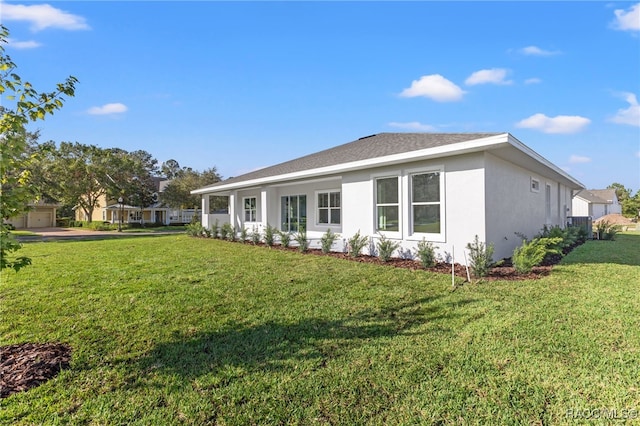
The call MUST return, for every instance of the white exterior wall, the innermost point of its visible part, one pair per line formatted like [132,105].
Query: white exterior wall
[463,200]
[513,206]
[580,207]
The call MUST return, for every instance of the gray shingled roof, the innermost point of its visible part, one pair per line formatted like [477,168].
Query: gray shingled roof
[380,145]
[598,196]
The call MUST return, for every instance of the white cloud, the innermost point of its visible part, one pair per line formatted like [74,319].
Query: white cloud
[492,76]
[631,115]
[413,125]
[577,159]
[534,80]
[31,44]
[43,16]
[536,51]
[627,20]
[435,87]
[115,108]
[557,124]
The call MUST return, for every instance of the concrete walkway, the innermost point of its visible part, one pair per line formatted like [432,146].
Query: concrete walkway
[52,234]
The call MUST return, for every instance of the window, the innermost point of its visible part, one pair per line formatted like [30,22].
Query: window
[136,215]
[425,203]
[250,210]
[329,208]
[293,213]
[387,205]
[535,185]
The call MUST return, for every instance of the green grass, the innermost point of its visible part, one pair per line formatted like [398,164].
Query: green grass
[23,232]
[177,330]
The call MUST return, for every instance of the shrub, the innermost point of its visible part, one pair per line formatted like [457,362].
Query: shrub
[215,228]
[480,257]
[226,230]
[532,253]
[301,239]
[270,235]
[356,243]
[232,234]
[285,238]
[255,235]
[386,248]
[607,231]
[327,240]
[244,234]
[194,229]
[426,253]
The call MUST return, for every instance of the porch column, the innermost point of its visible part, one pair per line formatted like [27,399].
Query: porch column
[264,206]
[204,217]
[232,209]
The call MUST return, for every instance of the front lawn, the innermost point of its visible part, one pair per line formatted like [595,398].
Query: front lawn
[179,330]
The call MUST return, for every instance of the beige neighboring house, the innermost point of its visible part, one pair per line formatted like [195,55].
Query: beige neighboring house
[41,215]
[110,210]
[595,203]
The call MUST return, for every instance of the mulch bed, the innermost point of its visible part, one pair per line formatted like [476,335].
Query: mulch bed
[503,272]
[27,365]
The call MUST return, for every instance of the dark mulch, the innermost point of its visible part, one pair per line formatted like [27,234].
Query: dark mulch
[27,365]
[505,271]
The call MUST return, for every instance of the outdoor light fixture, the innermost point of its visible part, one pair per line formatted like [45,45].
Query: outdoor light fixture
[120,201]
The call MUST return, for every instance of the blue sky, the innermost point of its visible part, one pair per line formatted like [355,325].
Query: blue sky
[245,85]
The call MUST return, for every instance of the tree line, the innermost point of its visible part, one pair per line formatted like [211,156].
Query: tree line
[79,176]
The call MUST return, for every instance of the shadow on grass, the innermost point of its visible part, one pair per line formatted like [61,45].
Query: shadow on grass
[280,345]
[624,250]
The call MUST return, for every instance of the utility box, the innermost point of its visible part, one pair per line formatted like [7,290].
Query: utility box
[584,222]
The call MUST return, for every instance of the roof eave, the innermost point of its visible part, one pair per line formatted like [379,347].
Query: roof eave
[474,145]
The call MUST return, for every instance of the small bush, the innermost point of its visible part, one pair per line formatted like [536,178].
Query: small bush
[607,231]
[480,257]
[532,253]
[386,248]
[194,229]
[255,235]
[225,231]
[270,235]
[285,238]
[356,243]
[244,234]
[426,253]
[215,228]
[301,239]
[327,240]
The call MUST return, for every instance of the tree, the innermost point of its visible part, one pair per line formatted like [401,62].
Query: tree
[16,190]
[171,169]
[621,192]
[177,193]
[77,175]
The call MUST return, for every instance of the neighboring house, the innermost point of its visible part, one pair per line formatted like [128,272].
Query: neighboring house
[445,188]
[41,214]
[595,203]
[110,210]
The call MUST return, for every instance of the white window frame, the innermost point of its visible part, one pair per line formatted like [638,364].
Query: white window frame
[299,217]
[374,179]
[254,217]
[429,236]
[329,208]
[547,203]
[534,184]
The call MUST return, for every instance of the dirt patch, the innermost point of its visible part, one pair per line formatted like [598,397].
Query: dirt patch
[615,219]
[27,365]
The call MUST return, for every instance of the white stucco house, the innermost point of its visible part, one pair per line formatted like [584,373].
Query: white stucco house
[445,187]
[596,203]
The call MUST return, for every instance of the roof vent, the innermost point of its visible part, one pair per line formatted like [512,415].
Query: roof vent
[365,137]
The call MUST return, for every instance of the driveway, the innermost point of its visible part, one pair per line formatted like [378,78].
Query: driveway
[52,234]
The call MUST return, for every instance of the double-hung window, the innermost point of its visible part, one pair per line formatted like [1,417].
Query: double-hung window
[425,203]
[329,208]
[387,204]
[250,209]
